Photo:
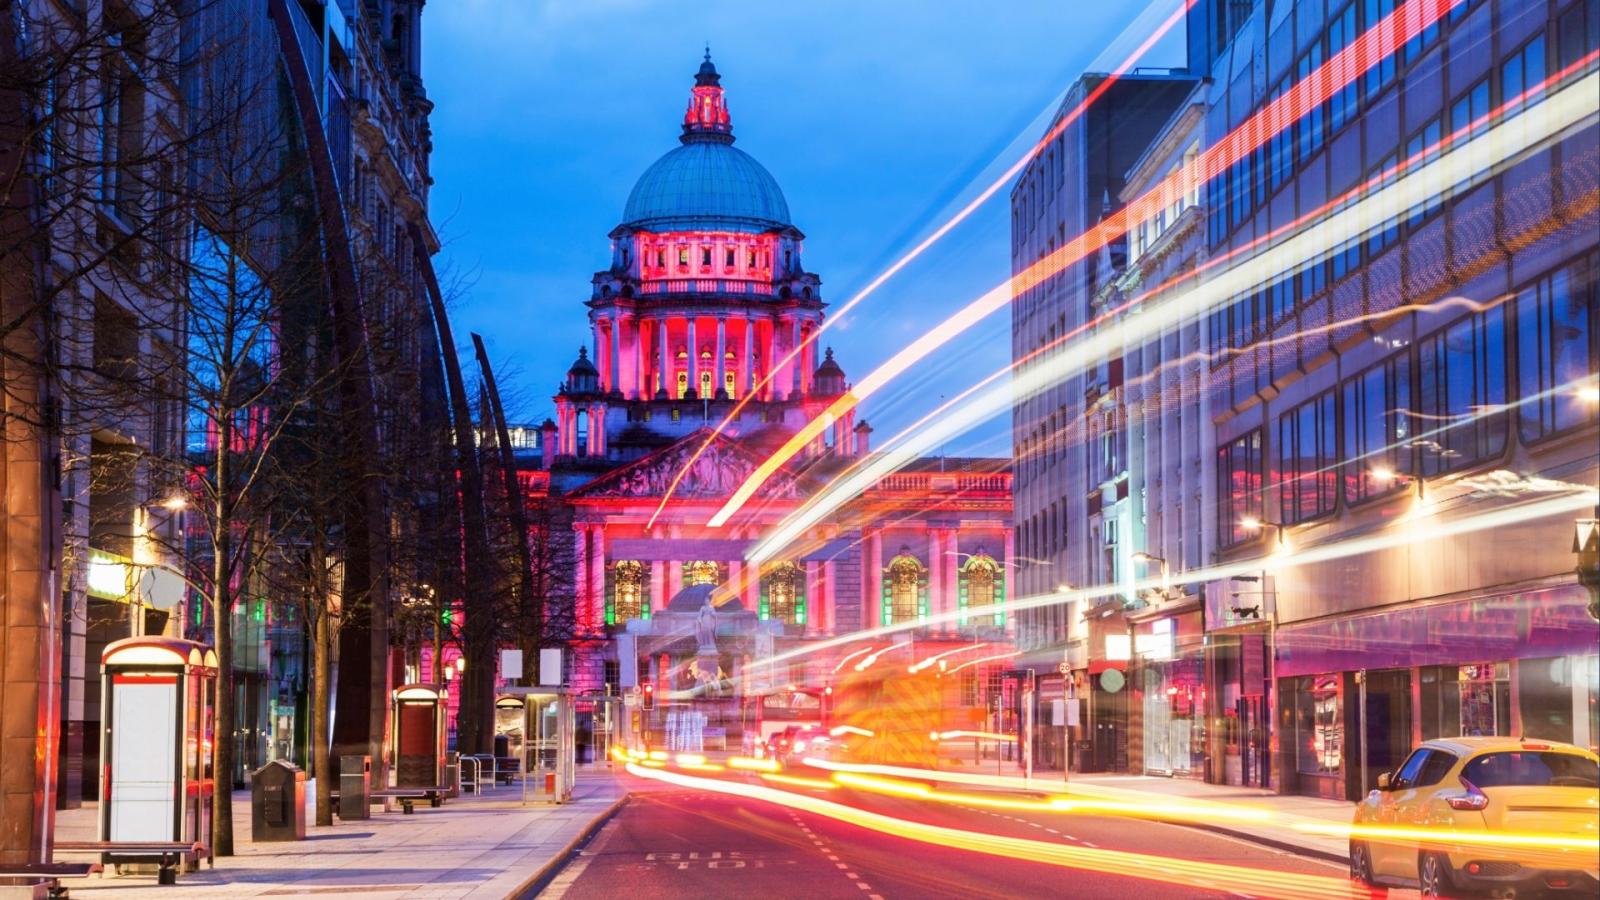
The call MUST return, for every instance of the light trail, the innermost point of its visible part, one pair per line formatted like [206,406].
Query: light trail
[1505,141]
[950,224]
[1505,517]
[838,730]
[1146,866]
[1175,810]
[869,660]
[983,659]
[816,784]
[916,667]
[980,735]
[1308,93]
[866,649]
[754,765]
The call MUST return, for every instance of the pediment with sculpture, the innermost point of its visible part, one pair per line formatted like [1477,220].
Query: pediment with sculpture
[717,472]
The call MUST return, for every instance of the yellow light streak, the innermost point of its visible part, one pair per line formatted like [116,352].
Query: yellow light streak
[690,759]
[659,755]
[754,765]
[1151,867]
[850,729]
[798,781]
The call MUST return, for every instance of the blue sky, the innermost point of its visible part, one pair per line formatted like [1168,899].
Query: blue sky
[873,116]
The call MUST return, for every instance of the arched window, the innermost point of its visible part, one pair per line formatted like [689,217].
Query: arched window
[905,589]
[730,380]
[683,374]
[707,378]
[629,597]
[982,584]
[580,427]
[701,571]
[783,593]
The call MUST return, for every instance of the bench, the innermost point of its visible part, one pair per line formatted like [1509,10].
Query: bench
[410,795]
[168,854]
[49,874]
[506,768]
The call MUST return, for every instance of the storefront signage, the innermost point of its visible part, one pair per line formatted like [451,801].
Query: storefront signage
[1118,647]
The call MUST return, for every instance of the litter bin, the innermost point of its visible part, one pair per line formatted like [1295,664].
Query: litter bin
[278,802]
[355,787]
[452,774]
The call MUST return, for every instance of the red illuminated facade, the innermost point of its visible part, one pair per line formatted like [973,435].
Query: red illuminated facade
[695,324]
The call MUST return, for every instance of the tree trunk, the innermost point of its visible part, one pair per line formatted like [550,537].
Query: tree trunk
[321,667]
[222,612]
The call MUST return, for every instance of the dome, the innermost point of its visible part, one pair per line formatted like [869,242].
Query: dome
[706,185]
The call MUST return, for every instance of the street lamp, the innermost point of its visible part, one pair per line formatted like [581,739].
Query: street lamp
[1166,575]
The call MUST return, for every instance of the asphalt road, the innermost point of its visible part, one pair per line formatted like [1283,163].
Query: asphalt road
[671,843]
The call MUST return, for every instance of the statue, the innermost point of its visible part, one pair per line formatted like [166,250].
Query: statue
[705,628]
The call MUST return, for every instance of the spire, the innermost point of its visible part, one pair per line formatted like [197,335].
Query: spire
[707,116]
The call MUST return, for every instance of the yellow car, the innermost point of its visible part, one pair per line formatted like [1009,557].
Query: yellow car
[1489,815]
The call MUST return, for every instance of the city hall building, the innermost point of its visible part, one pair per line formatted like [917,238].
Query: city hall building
[704,320]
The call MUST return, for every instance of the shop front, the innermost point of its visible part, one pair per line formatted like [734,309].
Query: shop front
[1172,694]
[1358,692]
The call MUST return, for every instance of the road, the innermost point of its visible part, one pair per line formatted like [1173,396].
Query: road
[677,842]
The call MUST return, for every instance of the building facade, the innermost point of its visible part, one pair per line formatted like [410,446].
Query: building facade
[703,363]
[1384,444]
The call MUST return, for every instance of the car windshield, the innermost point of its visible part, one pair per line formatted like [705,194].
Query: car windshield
[1535,768]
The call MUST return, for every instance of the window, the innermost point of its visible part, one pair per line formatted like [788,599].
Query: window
[1239,486]
[629,592]
[981,585]
[905,586]
[727,261]
[1521,71]
[1410,771]
[1461,393]
[1319,726]
[1306,457]
[1309,129]
[701,571]
[1382,73]
[1343,104]
[1557,350]
[783,593]
[1377,429]
[705,257]
[1436,768]
[1532,768]
[683,259]
[1426,139]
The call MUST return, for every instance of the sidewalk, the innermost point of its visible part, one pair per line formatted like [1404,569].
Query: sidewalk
[486,846]
[1290,822]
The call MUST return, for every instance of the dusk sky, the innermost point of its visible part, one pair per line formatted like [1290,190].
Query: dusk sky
[873,117]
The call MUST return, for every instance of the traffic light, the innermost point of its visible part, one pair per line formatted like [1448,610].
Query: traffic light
[649,696]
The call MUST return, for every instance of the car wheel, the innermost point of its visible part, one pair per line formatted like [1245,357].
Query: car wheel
[1360,863]
[1434,876]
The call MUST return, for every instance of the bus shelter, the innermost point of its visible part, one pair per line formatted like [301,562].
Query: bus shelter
[418,723]
[156,700]
[549,743]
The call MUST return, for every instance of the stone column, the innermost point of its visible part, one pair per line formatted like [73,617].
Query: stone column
[637,358]
[813,598]
[597,578]
[872,580]
[662,333]
[581,583]
[745,370]
[658,584]
[936,586]
[953,561]
[830,598]
[674,577]
[1007,568]
[797,365]
[614,355]
[808,356]
[783,375]
[693,346]
[721,359]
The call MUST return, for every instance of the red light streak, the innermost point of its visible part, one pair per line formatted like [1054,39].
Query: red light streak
[911,255]
[819,502]
[1308,93]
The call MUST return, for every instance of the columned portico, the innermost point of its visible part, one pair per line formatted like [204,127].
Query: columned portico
[719,387]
